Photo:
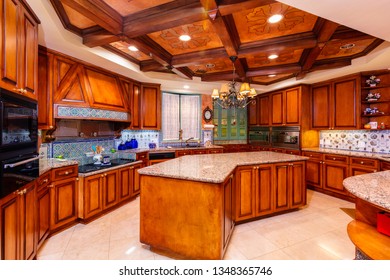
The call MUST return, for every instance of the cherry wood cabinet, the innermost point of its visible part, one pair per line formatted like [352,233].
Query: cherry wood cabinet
[286,107]
[228,216]
[63,197]
[359,166]
[259,112]
[18,224]
[19,48]
[43,207]
[269,188]
[336,104]
[110,189]
[136,179]
[150,106]
[314,169]
[128,180]
[144,157]
[385,165]
[335,171]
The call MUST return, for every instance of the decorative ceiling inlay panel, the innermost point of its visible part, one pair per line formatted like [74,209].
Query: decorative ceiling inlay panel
[252,25]
[202,37]
[218,29]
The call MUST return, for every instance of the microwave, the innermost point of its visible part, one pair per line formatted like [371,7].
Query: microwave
[258,135]
[18,124]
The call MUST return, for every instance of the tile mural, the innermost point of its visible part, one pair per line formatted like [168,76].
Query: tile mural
[376,141]
[64,111]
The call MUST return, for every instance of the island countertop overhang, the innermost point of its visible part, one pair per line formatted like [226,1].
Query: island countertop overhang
[213,168]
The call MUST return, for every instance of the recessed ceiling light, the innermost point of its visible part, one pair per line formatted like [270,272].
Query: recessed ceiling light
[133,48]
[186,86]
[273,56]
[185,38]
[275,18]
[271,75]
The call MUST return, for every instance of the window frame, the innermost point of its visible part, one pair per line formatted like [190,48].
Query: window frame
[180,116]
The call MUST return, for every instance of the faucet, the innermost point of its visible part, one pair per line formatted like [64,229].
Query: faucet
[188,140]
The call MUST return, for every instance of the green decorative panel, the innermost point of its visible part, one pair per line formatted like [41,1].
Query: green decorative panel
[230,124]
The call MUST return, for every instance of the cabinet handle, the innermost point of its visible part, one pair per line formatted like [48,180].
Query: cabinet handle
[362,162]
[50,186]
[102,175]
[66,173]
[77,179]
[334,158]
[320,162]
[105,174]
[45,181]
[132,167]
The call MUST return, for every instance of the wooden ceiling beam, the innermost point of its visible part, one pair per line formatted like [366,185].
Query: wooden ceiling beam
[99,12]
[194,58]
[277,69]
[99,38]
[134,27]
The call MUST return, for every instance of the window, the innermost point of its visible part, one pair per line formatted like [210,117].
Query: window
[180,111]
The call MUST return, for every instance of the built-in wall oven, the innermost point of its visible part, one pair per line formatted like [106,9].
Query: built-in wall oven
[19,161]
[285,137]
[258,135]
[18,125]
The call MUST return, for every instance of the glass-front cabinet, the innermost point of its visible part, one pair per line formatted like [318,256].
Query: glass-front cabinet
[230,124]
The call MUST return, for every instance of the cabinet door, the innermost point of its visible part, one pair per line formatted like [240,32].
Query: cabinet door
[298,186]
[136,179]
[253,112]
[110,189]
[9,228]
[292,106]
[314,173]
[356,170]
[29,55]
[264,110]
[93,189]
[334,174]
[277,112]
[151,107]
[63,203]
[281,187]
[264,192]
[245,196]
[45,98]
[43,216]
[136,106]
[345,105]
[27,210]
[125,177]
[385,165]
[320,106]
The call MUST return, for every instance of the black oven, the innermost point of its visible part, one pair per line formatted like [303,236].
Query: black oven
[285,137]
[18,172]
[18,125]
[258,135]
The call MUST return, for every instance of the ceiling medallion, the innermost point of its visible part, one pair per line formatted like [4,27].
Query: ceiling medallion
[230,97]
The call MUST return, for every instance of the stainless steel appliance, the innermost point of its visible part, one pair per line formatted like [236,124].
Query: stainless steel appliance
[286,137]
[258,135]
[18,124]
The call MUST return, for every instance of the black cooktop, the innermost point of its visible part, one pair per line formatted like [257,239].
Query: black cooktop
[95,167]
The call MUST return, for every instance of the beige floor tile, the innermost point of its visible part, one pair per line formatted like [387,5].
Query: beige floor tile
[275,255]
[88,251]
[56,244]
[129,249]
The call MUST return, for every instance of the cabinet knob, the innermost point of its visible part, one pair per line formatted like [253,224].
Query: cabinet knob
[102,175]
[334,158]
[45,181]
[362,162]
[77,179]
[320,162]
[66,173]
[105,174]
[50,186]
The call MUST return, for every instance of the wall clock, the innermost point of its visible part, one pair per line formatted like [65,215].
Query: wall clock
[207,114]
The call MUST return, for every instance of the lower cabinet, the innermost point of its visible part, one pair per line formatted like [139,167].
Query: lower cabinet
[228,221]
[269,188]
[385,165]
[43,207]
[103,191]
[18,224]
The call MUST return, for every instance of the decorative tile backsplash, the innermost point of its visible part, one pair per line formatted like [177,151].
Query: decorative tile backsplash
[377,141]
[64,111]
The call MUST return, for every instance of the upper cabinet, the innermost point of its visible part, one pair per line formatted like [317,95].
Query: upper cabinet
[289,106]
[150,106]
[336,104]
[19,48]
[375,98]
[259,112]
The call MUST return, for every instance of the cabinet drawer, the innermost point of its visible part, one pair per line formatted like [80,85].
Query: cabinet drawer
[312,155]
[142,156]
[182,153]
[358,161]
[336,158]
[64,172]
[43,181]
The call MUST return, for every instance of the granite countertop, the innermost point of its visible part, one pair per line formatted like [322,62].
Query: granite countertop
[373,188]
[380,156]
[213,168]
[108,169]
[50,163]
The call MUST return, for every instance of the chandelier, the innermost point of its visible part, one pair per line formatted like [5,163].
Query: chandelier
[230,97]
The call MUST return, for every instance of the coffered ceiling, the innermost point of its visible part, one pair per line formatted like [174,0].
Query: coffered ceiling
[219,30]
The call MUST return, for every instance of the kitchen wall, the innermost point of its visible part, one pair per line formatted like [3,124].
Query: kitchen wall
[377,141]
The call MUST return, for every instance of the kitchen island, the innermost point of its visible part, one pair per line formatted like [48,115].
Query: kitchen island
[189,205]
[372,196]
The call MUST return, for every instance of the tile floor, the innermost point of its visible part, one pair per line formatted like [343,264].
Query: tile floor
[315,232]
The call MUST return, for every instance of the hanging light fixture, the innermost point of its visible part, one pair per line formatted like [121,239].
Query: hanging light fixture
[230,97]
